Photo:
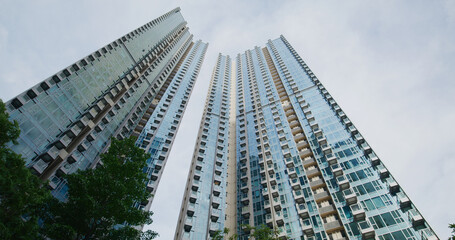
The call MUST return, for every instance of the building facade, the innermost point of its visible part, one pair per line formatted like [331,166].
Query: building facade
[137,85]
[295,162]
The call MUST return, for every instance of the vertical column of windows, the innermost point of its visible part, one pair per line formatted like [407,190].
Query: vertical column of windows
[326,208]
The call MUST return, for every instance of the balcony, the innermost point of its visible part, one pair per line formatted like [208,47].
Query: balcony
[295,184]
[306,111]
[353,130]
[155,175]
[190,209]
[358,212]
[304,153]
[39,166]
[299,137]
[289,111]
[217,180]
[322,140]
[82,147]
[91,114]
[313,124]
[261,172]
[312,172]
[333,226]
[276,204]
[374,160]
[279,219]
[322,196]
[347,122]
[54,182]
[350,196]
[197,174]
[327,210]
[317,132]
[302,144]
[427,234]
[243,167]
[214,227]
[215,202]
[415,217]
[326,149]
[298,196]
[269,220]
[366,148]
[307,227]
[218,170]
[244,176]
[337,170]
[198,165]
[193,197]
[337,235]
[292,172]
[74,131]
[331,159]
[64,170]
[244,187]
[246,212]
[292,117]
[309,117]
[274,190]
[403,201]
[383,172]
[293,123]
[302,211]
[309,161]
[343,182]
[272,179]
[63,142]
[264,181]
[286,152]
[195,185]
[51,154]
[297,130]
[366,230]
[392,185]
[289,162]
[188,224]
[150,185]
[304,105]
[359,139]
[267,206]
[317,184]
[216,190]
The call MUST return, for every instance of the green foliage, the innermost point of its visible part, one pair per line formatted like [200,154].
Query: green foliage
[100,201]
[21,196]
[9,131]
[262,232]
[452,226]
[220,235]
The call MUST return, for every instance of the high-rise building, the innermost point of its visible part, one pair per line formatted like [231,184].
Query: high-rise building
[275,148]
[136,85]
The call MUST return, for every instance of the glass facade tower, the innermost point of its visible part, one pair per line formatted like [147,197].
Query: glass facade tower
[294,160]
[137,85]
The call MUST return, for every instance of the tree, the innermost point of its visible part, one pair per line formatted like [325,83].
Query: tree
[219,235]
[101,201]
[452,226]
[262,232]
[22,198]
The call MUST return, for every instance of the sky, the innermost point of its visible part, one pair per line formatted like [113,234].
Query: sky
[388,64]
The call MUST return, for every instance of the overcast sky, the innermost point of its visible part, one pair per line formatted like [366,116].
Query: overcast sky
[389,64]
